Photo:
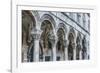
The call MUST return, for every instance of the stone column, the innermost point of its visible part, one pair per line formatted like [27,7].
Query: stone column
[54,51]
[36,50]
[66,49]
[36,36]
[54,42]
[80,54]
[87,53]
[74,51]
[24,53]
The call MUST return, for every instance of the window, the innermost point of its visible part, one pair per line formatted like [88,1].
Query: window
[78,17]
[84,21]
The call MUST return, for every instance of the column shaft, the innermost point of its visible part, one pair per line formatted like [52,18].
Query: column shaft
[36,50]
[54,52]
[80,55]
[66,51]
[74,54]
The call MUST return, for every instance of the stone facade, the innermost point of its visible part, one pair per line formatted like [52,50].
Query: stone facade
[55,36]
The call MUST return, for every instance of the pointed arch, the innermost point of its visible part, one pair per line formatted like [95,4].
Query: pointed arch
[78,46]
[49,18]
[71,46]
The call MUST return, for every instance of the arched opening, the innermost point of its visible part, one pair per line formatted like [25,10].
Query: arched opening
[78,47]
[60,45]
[84,48]
[45,53]
[71,45]
[49,18]
[28,23]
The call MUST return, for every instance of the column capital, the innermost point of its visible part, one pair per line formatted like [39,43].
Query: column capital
[36,33]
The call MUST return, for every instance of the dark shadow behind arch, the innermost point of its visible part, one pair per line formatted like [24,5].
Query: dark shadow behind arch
[84,48]
[71,38]
[60,46]
[45,40]
[78,45]
[49,18]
